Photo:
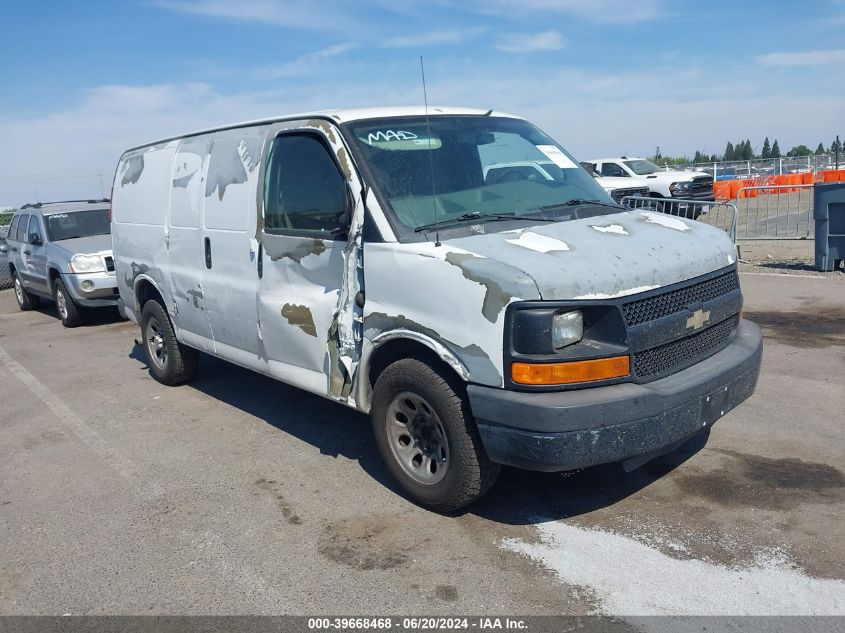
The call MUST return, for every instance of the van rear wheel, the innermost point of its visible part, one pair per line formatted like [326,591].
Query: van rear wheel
[170,362]
[427,436]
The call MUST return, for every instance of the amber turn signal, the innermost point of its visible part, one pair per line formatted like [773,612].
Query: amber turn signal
[570,372]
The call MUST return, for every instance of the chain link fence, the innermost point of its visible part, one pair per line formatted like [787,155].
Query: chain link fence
[755,168]
[5,279]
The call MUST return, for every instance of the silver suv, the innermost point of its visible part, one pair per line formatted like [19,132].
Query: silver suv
[62,251]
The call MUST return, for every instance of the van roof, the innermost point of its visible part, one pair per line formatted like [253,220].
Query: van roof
[601,160]
[42,208]
[343,116]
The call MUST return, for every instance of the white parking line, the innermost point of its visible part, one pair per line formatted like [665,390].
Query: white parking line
[631,579]
[88,436]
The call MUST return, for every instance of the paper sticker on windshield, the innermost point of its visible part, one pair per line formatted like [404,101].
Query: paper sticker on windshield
[557,157]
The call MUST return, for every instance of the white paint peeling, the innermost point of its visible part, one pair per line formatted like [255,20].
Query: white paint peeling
[617,229]
[539,243]
[629,578]
[621,293]
[670,222]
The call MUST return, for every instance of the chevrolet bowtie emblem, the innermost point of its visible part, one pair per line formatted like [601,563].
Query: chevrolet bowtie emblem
[698,319]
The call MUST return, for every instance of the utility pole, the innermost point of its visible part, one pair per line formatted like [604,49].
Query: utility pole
[838,145]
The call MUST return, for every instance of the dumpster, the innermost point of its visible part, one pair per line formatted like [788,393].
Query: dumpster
[829,214]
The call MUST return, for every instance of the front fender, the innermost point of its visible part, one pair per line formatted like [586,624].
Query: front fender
[363,388]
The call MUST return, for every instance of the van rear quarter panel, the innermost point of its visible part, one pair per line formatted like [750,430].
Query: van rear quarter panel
[140,201]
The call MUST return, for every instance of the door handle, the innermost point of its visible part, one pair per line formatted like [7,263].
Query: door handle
[208,252]
[260,261]
[27,252]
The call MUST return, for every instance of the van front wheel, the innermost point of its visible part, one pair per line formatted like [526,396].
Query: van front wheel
[427,437]
[170,362]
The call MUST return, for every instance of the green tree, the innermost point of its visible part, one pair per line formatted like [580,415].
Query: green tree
[799,150]
[767,149]
[747,150]
[775,149]
[729,152]
[820,149]
[836,145]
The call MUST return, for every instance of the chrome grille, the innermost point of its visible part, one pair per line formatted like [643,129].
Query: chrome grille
[618,194]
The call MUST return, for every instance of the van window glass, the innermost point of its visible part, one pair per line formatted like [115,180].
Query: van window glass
[34,228]
[13,227]
[304,189]
[23,222]
[66,226]
[612,170]
[469,165]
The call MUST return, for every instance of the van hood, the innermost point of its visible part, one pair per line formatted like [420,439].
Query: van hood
[607,256]
[85,245]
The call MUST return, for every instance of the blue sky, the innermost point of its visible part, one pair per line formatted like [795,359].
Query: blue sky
[81,81]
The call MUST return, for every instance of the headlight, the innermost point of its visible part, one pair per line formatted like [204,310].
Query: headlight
[567,328]
[87,264]
[678,186]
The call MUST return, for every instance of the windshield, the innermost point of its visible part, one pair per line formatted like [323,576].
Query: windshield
[483,168]
[642,167]
[66,226]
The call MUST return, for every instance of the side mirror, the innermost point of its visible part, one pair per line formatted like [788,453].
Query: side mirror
[35,239]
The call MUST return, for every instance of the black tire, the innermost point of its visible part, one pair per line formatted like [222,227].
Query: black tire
[170,362]
[26,301]
[69,313]
[469,473]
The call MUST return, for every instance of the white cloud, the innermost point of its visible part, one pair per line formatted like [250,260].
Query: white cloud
[589,112]
[805,58]
[602,11]
[304,64]
[530,42]
[297,14]
[433,38]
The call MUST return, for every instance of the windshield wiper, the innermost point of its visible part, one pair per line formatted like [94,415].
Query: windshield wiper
[478,215]
[578,202]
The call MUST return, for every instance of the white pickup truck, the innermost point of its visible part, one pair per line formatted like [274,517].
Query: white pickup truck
[686,185]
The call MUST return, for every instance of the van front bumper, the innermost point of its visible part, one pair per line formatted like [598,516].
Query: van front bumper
[564,430]
[92,290]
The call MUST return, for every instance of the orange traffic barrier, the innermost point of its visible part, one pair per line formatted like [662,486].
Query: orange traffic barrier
[808,178]
[722,190]
[833,175]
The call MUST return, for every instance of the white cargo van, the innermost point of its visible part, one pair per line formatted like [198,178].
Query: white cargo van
[480,318]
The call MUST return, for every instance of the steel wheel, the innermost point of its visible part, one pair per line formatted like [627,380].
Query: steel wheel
[18,291]
[417,438]
[156,345]
[61,304]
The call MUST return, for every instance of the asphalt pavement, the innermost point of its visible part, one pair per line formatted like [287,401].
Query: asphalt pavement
[237,494]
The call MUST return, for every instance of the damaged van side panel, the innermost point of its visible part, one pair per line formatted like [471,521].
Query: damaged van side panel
[445,288]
